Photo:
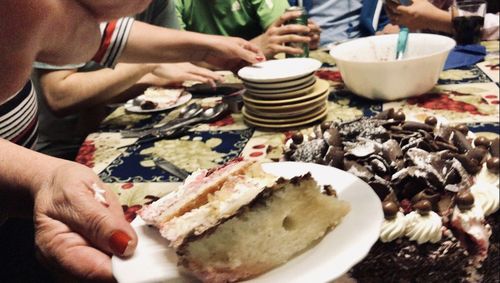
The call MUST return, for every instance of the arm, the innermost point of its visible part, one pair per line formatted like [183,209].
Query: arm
[74,231]
[68,90]
[147,43]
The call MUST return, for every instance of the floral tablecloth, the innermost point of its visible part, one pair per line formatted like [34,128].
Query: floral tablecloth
[468,95]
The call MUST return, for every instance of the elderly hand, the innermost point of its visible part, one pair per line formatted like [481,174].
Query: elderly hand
[180,72]
[278,34]
[421,14]
[74,230]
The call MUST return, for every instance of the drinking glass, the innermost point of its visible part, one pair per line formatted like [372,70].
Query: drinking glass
[468,20]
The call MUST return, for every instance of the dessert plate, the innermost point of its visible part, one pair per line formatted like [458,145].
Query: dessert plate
[129,106]
[320,87]
[283,84]
[331,257]
[261,91]
[276,120]
[287,125]
[289,106]
[283,114]
[279,70]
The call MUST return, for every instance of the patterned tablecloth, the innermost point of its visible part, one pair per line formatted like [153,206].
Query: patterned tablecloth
[467,95]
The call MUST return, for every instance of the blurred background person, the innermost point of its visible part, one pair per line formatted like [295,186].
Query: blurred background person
[72,101]
[262,22]
[435,16]
[341,20]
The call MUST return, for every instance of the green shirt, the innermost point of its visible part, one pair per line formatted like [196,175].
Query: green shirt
[243,18]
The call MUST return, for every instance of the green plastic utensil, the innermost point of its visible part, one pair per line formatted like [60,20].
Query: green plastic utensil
[403,36]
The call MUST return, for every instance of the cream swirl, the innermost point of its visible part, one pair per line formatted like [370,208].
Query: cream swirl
[487,177]
[423,228]
[486,197]
[393,228]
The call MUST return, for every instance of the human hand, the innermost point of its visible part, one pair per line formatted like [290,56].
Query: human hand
[230,53]
[388,29]
[180,72]
[314,34]
[273,40]
[76,232]
[421,14]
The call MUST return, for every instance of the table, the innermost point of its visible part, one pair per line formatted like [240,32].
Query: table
[131,173]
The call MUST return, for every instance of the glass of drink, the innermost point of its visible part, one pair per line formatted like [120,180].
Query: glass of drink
[468,20]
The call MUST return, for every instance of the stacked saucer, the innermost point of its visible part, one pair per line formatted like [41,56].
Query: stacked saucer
[283,93]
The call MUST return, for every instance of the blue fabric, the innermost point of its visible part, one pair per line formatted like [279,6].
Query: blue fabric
[306,3]
[367,16]
[465,55]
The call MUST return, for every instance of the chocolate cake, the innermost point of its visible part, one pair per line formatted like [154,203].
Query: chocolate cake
[439,188]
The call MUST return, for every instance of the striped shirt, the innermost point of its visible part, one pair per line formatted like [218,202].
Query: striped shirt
[18,115]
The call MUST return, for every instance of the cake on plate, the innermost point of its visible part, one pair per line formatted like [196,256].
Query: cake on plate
[244,221]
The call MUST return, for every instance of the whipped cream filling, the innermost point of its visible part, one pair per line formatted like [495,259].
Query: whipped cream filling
[471,222]
[393,228]
[423,228]
[486,197]
[236,192]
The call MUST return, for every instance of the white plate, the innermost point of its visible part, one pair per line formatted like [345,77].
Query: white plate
[334,255]
[129,106]
[279,70]
[279,85]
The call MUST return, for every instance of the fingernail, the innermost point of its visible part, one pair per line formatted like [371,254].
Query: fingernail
[118,242]
[259,58]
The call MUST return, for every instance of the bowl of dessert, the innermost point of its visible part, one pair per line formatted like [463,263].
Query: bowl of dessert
[369,67]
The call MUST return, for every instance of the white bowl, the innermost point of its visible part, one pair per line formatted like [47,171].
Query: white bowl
[274,71]
[368,66]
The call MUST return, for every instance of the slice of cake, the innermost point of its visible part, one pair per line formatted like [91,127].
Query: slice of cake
[193,193]
[246,224]
[267,232]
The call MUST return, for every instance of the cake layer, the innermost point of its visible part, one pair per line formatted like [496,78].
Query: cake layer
[275,226]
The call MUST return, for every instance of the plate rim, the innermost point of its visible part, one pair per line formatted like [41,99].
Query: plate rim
[322,115]
[319,87]
[299,118]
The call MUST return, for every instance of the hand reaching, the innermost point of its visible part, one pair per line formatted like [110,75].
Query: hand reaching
[230,53]
[74,230]
[421,14]
[180,72]
[278,34]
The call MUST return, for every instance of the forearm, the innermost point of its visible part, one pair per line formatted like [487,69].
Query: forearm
[22,173]
[68,91]
[148,43]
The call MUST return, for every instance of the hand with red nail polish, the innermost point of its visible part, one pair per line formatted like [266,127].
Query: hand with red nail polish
[74,231]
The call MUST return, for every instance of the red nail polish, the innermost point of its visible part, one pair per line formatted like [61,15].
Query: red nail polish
[259,58]
[118,242]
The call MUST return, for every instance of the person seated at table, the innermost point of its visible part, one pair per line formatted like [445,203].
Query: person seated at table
[434,16]
[72,100]
[341,20]
[78,222]
[262,22]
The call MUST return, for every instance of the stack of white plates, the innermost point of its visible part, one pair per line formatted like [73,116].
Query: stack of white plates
[283,93]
